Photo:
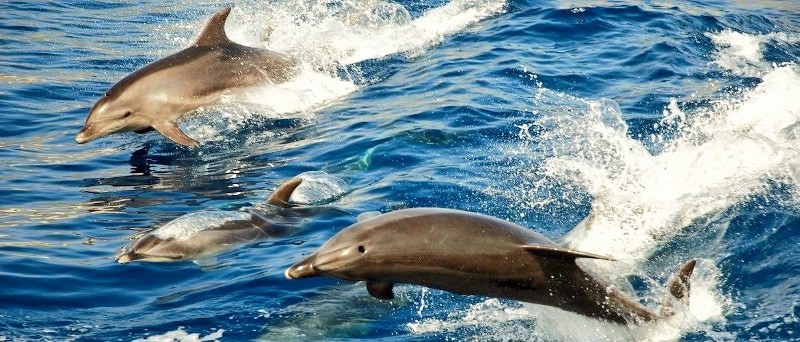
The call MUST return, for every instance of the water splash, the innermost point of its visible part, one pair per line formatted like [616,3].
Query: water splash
[180,335]
[326,38]
[318,187]
[743,54]
[721,156]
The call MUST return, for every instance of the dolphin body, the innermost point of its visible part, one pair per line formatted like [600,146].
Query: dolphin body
[205,233]
[157,94]
[474,254]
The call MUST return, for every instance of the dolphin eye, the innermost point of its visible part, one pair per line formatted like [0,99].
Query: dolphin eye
[361,249]
[127,114]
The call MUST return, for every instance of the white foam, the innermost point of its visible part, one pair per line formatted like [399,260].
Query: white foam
[339,33]
[187,226]
[742,53]
[180,335]
[723,155]
[318,187]
[697,166]
[324,37]
[489,319]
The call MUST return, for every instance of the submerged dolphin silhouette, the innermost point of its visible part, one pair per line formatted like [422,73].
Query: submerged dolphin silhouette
[474,254]
[201,234]
[155,95]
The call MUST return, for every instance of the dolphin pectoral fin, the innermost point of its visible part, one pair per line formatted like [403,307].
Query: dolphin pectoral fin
[380,289]
[558,252]
[367,215]
[172,132]
[280,197]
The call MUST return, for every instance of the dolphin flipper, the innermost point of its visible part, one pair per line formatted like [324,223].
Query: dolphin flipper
[172,132]
[380,289]
[563,253]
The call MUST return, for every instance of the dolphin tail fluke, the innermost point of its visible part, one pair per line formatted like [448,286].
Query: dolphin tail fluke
[678,288]
[172,132]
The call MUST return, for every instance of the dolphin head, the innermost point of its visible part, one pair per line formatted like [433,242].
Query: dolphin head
[116,111]
[151,248]
[347,255]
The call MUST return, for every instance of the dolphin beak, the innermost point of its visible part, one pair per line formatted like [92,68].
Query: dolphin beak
[125,258]
[84,135]
[302,269]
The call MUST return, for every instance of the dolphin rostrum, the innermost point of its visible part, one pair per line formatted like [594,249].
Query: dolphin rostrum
[474,254]
[205,233]
[157,94]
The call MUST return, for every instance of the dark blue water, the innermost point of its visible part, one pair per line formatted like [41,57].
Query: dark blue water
[673,125]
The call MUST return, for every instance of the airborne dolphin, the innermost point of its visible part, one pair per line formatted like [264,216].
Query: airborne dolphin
[157,94]
[474,254]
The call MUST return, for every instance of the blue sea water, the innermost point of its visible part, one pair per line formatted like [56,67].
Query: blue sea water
[652,132]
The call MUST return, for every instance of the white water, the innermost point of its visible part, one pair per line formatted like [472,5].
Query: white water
[743,54]
[188,226]
[707,161]
[318,187]
[327,38]
[180,335]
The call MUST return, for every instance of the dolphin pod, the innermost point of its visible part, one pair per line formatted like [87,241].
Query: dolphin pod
[163,91]
[456,251]
[205,233]
[473,254]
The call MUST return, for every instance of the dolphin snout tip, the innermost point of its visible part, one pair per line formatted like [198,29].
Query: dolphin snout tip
[82,137]
[303,269]
[124,258]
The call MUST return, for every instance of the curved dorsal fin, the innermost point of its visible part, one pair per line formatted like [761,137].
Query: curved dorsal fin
[280,197]
[214,32]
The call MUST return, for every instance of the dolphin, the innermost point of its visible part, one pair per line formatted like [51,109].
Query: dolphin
[154,96]
[474,254]
[204,233]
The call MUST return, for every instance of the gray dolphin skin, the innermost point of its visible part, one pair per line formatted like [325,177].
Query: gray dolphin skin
[157,94]
[205,233]
[474,254]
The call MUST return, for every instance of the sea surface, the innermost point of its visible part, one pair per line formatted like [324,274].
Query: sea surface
[649,131]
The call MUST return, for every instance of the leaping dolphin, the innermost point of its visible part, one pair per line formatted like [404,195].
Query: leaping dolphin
[474,254]
[160,92]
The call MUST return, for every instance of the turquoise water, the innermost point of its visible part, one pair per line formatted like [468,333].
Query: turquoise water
[673,127]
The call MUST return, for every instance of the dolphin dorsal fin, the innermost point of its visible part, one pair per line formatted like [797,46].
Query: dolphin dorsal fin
[558,252]
[214,32]
[280,197]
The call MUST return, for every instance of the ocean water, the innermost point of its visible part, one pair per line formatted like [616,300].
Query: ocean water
[652,132]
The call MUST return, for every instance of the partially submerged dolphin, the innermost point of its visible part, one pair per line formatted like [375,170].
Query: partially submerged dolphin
[205,233]
[474,254]
[157,94]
